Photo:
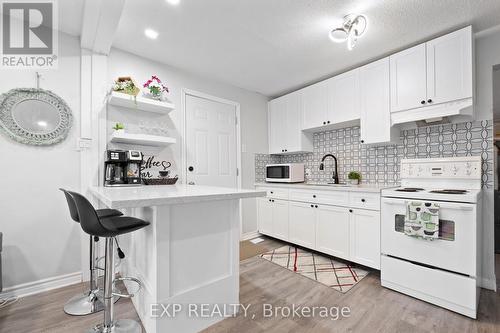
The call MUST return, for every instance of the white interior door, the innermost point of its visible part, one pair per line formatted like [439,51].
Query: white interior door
[211,154]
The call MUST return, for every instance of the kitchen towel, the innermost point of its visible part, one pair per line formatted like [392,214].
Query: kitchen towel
[422,219]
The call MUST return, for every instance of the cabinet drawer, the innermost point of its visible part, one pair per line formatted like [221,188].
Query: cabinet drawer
[335,198]
[364,200]
[275,192]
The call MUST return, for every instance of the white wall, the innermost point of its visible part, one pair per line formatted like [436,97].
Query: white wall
[487,56]
[253,114]
[40,239]
[496,94]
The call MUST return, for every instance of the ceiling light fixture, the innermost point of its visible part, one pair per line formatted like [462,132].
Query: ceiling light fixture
[173,2]
[150,33]
[354,27]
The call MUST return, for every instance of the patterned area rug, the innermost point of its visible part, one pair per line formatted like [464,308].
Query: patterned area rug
[338,275]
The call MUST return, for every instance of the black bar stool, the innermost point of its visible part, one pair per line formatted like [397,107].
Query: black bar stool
[108,227]
[88,302]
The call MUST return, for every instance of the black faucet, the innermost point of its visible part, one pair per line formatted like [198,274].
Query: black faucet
[335,175]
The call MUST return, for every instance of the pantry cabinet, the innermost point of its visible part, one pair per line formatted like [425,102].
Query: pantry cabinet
[431,73]
[285,126]
[319,220]
[375,104]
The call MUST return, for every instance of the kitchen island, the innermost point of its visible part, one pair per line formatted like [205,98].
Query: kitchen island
[188,258]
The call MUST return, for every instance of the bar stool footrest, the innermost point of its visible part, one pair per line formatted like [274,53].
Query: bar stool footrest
[130,279]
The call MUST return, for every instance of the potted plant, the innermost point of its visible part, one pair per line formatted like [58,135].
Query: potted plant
[155,88]
[126,85]
[119,128]
[354,177]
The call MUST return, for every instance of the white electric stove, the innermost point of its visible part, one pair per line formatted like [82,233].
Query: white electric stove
[443,271]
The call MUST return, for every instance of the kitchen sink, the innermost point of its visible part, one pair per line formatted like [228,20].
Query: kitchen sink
[330,184]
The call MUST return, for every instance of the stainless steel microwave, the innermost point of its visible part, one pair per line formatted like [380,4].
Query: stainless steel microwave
[285,173]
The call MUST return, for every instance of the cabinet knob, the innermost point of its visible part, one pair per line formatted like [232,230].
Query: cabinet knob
[272,200]
[271,192]
[314,195]
[312,206]
[429,101]
[363,200]
[324,123]
[423,102]
[362,141]
[286,149]
[315,206]
[350,210]
[282,150]
[269,200]
[328,122]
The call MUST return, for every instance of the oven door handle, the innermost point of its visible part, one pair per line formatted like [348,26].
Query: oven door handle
[441,205]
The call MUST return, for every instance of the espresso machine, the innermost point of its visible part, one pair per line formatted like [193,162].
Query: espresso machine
[122,168]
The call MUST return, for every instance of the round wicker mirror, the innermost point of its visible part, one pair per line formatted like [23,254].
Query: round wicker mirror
[34,116]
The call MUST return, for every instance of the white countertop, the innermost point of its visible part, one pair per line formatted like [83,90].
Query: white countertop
[158,195]
[316,186]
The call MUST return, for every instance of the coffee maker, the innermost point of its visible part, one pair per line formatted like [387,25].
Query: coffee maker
[122,168]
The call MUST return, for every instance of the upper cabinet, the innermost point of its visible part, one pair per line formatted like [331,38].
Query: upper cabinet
[408,79]
[285,123]
[431,73]
[314,105]
[375,104]
[343,97]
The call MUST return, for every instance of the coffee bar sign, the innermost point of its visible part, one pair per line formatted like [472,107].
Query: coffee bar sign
[155,167]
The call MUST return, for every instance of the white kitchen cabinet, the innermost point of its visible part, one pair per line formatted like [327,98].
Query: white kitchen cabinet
[435,72]
[365,237]
[302,224]
[343,98]
[408,78]
[332,230]
[265,215]
[314,105]
[375,104]
[280,219]
[285,126]
[449,67]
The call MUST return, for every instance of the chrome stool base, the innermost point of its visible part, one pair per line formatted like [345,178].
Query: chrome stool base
[86,303]
[119,326]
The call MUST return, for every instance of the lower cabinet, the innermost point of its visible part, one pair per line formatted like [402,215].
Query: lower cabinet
[365,237]
[345,232]
[302,224]
[332,230]
[273,217]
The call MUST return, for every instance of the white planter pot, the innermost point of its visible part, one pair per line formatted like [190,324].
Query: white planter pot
[354,181]
[120,131]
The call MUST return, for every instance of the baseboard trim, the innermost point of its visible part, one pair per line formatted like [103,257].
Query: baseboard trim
[31,288]
[490,284]
[250,235]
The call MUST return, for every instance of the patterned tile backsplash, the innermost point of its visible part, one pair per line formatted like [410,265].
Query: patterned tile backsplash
[380,165]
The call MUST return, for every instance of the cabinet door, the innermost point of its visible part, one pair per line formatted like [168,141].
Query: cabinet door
[293,122]
[343,97]
[365,237]
[265,215]
[277,125]
[408,79]
[375,103]
[280,219]
[314,105]
[332,231]
[302,224]
[449,67]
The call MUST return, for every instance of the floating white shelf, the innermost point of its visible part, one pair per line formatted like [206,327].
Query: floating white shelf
[142,139]
[140,103]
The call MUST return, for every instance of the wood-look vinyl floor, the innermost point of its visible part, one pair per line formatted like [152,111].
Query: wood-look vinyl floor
[372,308]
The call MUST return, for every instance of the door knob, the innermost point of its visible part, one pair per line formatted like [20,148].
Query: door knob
[191,168]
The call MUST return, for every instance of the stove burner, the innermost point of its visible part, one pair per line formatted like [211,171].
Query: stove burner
[410,189]
[446,191]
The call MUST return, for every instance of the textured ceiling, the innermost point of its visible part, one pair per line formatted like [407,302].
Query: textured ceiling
[275,46]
